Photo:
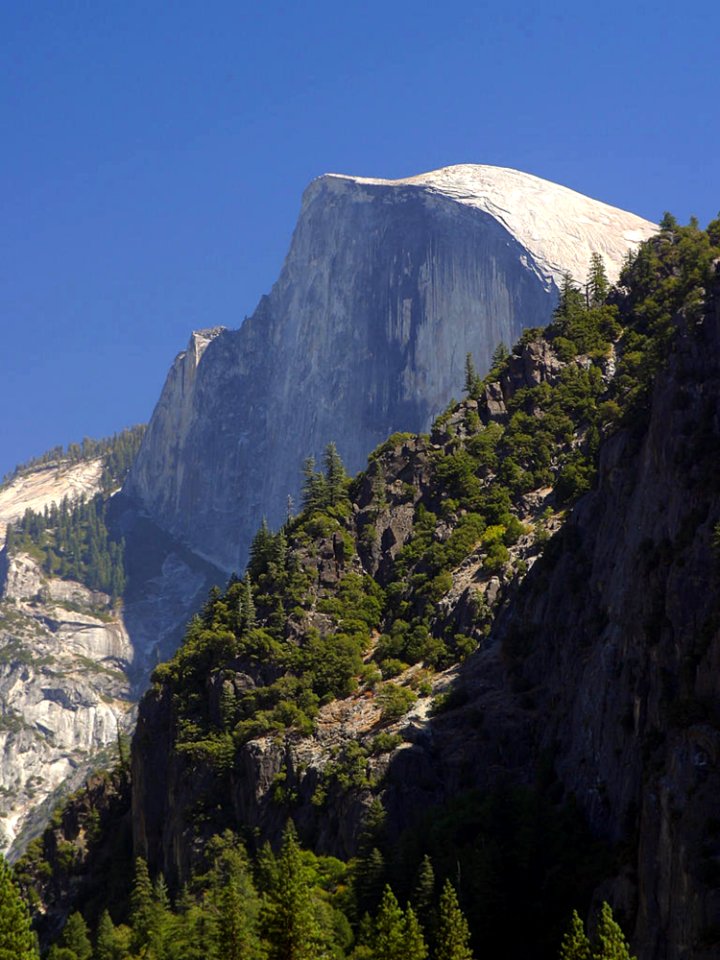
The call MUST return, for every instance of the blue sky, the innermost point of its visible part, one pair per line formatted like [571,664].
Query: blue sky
[154,154]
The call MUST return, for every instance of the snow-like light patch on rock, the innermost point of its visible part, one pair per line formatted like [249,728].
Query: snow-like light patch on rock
[560,228]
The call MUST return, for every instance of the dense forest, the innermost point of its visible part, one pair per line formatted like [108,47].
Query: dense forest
[371,595]
[72,542]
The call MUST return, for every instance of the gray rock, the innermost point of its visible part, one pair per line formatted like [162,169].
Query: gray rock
[386,288]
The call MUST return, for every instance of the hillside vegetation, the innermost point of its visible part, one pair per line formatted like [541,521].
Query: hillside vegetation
[339,650]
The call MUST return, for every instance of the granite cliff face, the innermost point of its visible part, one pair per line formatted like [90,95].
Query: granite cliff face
[386,287]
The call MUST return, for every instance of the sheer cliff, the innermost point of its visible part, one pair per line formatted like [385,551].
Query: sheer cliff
[386,287]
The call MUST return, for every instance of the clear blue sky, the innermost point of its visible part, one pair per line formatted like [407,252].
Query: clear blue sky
[153,155]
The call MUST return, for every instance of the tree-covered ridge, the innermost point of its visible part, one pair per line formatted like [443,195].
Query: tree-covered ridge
[72,541]
[327,609]
[118,453]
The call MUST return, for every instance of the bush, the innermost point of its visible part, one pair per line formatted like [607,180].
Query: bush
[395,700]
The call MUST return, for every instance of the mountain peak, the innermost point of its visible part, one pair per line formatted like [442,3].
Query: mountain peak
[560,227]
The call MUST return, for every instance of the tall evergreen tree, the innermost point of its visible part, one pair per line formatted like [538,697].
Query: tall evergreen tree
[610,940]
[575,944]
[142,911]
[105,941]
[289,921]
[473,382]
[260,550]
[75,937]
[17,941]
[453,934]
[389,941]
[248,605]
[423,896]
[335,475]
[415,947]
[314,491]
[598,284]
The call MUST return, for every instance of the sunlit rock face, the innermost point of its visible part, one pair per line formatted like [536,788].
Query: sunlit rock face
[386,287]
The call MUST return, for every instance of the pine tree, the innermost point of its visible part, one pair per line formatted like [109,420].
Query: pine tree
[17,941]
[141,906]
[335,475]
[289,920]
[75,937]
[598,284]
[424,893]
[500,355]
[260,551]
[105,942]
[473,382]
[248,605]
[453,934]
[415,948]
[570,308]
[314,491]
[389,929]
[610,941]
[575,944]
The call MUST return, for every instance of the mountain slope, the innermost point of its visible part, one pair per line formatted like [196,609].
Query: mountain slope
[509,619]
[386,287]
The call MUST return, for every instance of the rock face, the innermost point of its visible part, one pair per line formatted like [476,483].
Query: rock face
[386,287]
[45,485]
[64,663]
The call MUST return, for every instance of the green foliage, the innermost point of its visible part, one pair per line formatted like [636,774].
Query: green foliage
[609,942]
[17,942]
[453,933]
[473,382]
[395,700]
[72,541]
[290,916]
[75,937]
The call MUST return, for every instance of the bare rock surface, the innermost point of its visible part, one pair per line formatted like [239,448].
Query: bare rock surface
[386,287]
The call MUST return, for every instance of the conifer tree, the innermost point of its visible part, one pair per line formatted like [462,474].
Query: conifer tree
[17,941]
[415,948]
[500,355]
[571,306]
[389,943]
[473,382]
[598,284]
[141,906]
[610,940]
[105,942]
[75,937]
[260,550]
[314,491]
[335,475]
[248,605]
[575,944]
[289,922]
[423,895]
[453,934]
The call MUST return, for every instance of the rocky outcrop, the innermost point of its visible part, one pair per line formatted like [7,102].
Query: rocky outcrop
[386,287]
[64,663]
